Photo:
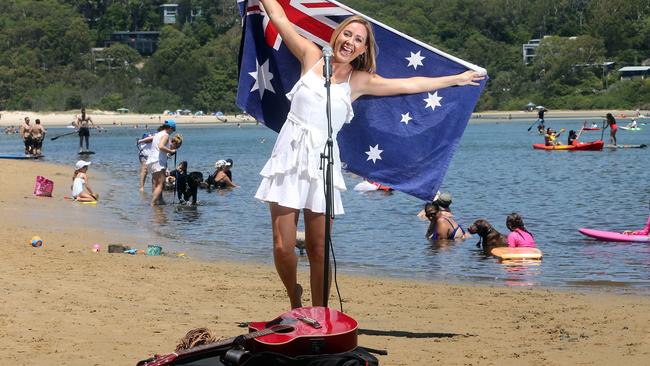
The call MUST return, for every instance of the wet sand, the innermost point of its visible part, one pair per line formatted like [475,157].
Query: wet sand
[63,304]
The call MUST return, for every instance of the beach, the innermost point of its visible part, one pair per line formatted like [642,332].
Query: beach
[64,304]
[104,118]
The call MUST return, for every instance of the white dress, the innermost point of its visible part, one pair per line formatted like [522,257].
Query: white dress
[292,176]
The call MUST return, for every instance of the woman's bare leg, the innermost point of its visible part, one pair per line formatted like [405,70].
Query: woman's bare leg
[143,175]
[158,179]
[315,243]
[284,221]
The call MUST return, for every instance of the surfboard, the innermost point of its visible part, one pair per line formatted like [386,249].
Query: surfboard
[20,157]
[626,146]
[68,198]
[506,253]
[614,236]
[87,152]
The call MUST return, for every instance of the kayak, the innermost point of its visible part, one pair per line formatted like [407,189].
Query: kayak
[614,236]
[591,128]
[626,146]
[582,146]
[506,253]
[630,128]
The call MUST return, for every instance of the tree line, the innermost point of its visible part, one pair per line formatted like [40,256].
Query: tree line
[47,60]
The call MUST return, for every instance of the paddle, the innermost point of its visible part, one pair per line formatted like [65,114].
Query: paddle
[65,134]
[602,133]
[531,126]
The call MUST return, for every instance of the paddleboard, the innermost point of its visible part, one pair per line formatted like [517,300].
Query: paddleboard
[626,146]
[83,203]
[614,236]
[20,157]
[87,152]
[507,254]
[630,128]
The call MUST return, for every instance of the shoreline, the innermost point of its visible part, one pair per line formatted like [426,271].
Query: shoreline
[102,118]
[64,304]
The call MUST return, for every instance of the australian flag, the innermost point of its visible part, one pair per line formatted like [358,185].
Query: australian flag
[404,141]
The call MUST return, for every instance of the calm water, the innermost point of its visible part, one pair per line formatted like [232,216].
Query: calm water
[494,172]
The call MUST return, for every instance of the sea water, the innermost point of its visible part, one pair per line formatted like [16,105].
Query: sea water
[494,172]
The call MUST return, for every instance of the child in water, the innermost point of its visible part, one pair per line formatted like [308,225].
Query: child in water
[644,231]
[519,236]
[80,183]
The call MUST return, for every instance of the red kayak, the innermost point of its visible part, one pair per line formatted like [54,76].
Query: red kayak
[581,146]
[591,128]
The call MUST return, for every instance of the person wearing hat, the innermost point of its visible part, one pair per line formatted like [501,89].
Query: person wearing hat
[220,179]
[81,191]
[442,225]
[157,159]
[144,148]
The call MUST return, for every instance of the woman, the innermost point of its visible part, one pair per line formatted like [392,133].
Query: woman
[221,178]
[443,226]
[519,236]
[157,160]
[291,179]
[610,122]
[144,148]
[573,138]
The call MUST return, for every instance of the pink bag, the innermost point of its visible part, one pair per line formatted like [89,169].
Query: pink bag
[43,187]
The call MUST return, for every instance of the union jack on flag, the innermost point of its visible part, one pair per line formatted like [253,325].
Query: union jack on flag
[405,141]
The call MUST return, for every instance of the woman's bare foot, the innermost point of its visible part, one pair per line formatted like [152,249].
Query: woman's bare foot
[296,302]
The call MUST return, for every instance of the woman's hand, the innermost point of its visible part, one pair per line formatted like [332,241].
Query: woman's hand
[469,77]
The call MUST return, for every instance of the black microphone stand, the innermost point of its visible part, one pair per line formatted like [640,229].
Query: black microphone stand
[328,158]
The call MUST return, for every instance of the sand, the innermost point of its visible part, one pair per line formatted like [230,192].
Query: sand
[63,304]
[103,118]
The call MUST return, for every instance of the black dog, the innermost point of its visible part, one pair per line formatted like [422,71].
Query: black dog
[187,186]
[490,237]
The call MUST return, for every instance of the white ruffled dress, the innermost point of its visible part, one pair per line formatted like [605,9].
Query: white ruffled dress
[292,176]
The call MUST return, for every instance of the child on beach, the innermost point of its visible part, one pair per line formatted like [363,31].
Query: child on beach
[519,236]
[80,183]
[144,147]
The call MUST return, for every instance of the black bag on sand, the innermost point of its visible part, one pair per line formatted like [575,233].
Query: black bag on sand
[357,357]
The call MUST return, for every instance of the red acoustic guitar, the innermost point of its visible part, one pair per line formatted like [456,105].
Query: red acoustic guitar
[301,331]
[309,331]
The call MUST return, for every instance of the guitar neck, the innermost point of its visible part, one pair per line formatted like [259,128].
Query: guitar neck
[232,341]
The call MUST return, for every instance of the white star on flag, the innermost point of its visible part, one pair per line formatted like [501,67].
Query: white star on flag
[415,60]
[433,101]
[406,118]
[262,77]
[374,154]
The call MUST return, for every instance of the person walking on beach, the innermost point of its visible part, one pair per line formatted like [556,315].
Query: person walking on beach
[610,122]
[83,124]
[25,131]
[37,133]
[157,159]
[291,180]
[81,191]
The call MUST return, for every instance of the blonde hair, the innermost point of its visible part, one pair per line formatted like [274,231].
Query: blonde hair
[365,61]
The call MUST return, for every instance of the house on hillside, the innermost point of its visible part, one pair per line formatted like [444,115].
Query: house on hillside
[631,72]
[529,49]
[169,13]
[145,42]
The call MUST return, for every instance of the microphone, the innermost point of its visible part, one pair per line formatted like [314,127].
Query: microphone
[327,66]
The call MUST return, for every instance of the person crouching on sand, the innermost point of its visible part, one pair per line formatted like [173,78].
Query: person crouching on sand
[157,159]
[81,191]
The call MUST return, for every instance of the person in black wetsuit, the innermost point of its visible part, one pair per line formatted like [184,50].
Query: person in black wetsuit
[83,124]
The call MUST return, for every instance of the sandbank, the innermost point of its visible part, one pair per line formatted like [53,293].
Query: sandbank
[105,118]
[63,304]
